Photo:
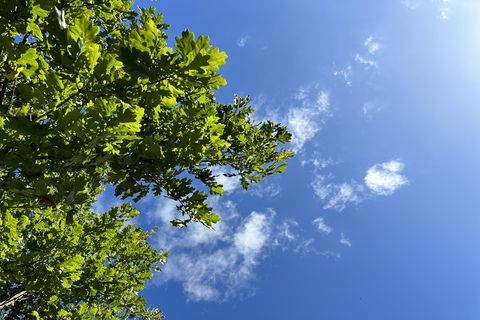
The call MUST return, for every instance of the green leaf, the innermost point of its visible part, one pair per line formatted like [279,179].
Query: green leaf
[29,62]
[35,30]
[281,168]
[37,10]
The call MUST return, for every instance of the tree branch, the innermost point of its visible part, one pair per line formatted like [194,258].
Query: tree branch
[12,300]
[2,93]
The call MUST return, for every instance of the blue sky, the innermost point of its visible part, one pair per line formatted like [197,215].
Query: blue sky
[378,214]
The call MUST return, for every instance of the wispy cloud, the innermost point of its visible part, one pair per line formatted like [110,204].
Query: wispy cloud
[337,195]
[305,120]
[265,190]
[345,74]
[372,46]
[443,7]
[322,227]
[381,179]
[385,178]
[373,107]
[410,4]
[365,58]
[316,160]
[242,41]
[345,241]
[289,237]
[220,265]
[365,61]
[368,107]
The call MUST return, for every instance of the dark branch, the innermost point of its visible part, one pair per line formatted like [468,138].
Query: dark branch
[2,93]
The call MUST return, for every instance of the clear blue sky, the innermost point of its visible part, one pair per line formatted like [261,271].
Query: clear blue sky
[378,214]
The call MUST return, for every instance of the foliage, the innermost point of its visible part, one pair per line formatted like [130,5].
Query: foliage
[93,267]
[91,95]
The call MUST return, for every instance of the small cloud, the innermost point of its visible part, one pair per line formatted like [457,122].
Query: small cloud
[284,229]
[288,237]
[317,161]
[302,93]
[322,226]
[385,178]
[337,195]
[323,102]
[303,126]
[345,241]
[370,108]
[444,13]
[264,190]
[344,74]
[306,120]
[365,61]
[242,41]
[380,179]
[253,236]
[371,45]
[444,9]
[410,4]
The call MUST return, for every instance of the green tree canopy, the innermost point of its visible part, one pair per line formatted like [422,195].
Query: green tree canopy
[90,96]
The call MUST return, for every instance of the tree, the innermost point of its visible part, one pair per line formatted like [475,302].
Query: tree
[92,267]
[91,95]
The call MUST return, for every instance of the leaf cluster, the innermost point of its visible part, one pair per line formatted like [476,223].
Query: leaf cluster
[90,96]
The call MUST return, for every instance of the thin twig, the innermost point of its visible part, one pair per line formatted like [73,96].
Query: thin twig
[67,99]
[2,93]
[25,38]
[11,97]
[12,300]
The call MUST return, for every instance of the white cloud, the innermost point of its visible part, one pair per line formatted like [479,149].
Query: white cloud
[220,265]
[372,46]
[303,126]
[364,58]
[285,231]
[337,195]
[307,119]
[242,41]
[216,265]
[410,4]
[317,161]
[385,178]
[229,184]
[380,179]
[368,107]
[345,74]
[323,102]
[365,61]
[345,241]
[250,240]
[322,227]
[265,190]
[444,9]
[288,237]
